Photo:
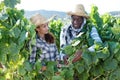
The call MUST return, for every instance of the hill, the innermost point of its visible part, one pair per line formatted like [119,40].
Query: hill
[45,13]
[115,13]
[59,14]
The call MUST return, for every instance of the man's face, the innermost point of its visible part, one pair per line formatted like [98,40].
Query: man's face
[76,21]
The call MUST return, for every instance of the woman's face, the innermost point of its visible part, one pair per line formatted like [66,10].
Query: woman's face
[42,29]
[76,21]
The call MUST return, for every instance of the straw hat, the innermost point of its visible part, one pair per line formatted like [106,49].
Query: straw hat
[79,10]
[38,19]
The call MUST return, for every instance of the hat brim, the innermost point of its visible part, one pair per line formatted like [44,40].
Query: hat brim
[46,21]
[40,23]
[50,19]
[78,14]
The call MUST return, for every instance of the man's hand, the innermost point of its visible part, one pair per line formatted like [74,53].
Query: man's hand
[77,56]
[65,58]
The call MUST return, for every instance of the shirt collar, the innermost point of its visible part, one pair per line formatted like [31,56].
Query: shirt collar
[39,38]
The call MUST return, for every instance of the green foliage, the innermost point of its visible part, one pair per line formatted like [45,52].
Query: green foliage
[16,31]
[103,63]
[69,50]
[55,28]
[11,3]
[94,15]
[1,6]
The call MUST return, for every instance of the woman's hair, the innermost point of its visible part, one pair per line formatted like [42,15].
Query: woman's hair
[49,38]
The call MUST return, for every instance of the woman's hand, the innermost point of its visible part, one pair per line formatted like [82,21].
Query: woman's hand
[77,56]
[1,66]
[44,68]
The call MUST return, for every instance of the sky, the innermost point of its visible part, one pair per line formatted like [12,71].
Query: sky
[66,5]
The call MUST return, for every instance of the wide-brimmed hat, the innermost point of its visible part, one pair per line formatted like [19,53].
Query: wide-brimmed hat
[79,10]
[39,19]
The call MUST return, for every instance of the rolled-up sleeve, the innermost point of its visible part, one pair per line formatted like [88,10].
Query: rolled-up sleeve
[95,36]
[33,54]
[62,38]
[56,53]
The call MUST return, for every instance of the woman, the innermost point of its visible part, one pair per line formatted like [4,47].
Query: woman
[45,41]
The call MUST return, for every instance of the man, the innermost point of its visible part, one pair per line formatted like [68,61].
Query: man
[68,33]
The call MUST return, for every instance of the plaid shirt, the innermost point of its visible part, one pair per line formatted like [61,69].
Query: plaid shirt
[68,33]
[49,51]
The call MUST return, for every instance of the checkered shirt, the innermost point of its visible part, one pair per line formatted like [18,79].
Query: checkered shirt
[68,34]
[49,51]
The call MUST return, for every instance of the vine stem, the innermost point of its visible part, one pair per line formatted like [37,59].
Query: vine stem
[96,77]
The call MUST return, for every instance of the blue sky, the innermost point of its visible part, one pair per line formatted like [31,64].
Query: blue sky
[66,5]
